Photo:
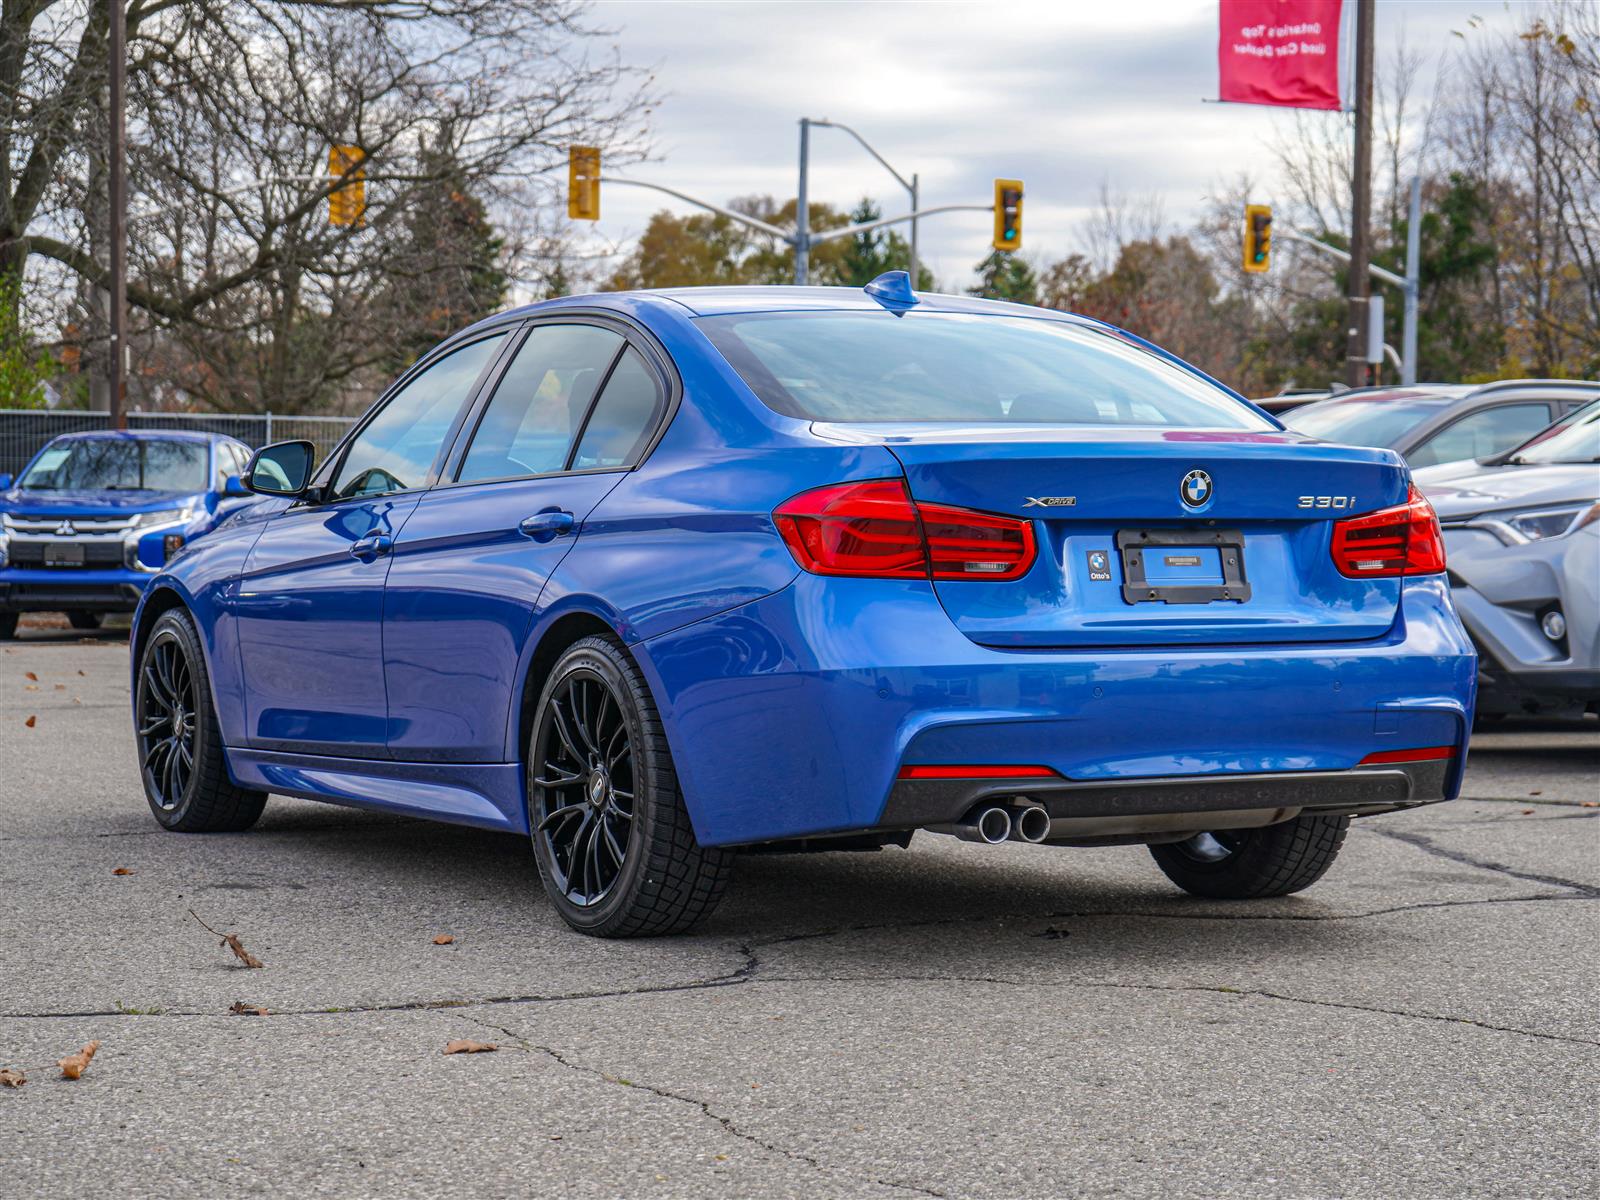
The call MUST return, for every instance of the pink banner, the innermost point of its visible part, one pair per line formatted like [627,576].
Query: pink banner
[1283,52]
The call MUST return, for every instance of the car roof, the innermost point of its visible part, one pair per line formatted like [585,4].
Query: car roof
[148,435]
[724,301]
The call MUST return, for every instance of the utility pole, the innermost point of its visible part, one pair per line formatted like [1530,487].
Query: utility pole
[117,174]
[1361,195]
[1408,341]
[802,214]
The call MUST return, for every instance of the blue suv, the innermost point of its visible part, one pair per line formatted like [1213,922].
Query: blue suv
[96,516]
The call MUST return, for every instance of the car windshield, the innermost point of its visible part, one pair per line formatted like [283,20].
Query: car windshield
[100,463]
[1363,420]
[1577,440]
[927,366]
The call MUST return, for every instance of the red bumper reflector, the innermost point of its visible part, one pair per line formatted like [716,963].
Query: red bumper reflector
[977,772]
[1422,754]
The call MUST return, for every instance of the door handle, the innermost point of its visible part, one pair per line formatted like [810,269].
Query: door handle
[546,526]
[374,545]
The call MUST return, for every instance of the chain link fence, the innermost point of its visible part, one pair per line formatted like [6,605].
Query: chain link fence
[24,431]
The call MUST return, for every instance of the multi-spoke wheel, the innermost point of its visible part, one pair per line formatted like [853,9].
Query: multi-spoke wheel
[1248,864]
[180,747]
[610,834]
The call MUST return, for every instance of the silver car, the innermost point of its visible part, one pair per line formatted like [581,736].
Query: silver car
[1522,539]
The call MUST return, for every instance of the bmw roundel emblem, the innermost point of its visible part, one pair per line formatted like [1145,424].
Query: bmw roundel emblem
[1195,489]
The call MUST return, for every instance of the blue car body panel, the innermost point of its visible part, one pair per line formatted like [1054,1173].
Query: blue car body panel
[791,700]
[92,588]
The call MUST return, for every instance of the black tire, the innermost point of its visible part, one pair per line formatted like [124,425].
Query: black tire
[597,748]
[8,626]
[85,620]
[1252,864]
[181,759]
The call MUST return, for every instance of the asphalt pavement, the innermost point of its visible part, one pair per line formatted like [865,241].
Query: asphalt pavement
[950,1020]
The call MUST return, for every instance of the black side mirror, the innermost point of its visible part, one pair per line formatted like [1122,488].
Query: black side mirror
[283,469]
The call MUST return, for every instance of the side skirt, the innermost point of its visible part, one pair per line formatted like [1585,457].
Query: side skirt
[484,795]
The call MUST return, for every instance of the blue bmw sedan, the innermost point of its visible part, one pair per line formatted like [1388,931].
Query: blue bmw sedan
[647,577]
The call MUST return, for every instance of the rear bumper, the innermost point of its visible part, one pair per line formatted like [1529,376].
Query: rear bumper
[792,716]
[1129,807]
[71,590]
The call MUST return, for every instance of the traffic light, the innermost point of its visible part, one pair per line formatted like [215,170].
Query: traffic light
[1257,237]
[1008,214]
[583,183]
[347,203]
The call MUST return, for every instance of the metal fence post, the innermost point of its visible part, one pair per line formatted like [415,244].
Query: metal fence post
[267,436]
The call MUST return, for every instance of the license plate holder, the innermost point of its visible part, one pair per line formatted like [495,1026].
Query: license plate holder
[63,554]
[1145,580]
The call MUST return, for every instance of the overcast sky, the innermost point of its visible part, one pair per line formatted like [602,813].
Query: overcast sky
[1063,95]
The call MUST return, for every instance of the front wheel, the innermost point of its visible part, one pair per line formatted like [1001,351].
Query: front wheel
[611,836]
[181,759]
[1252,864]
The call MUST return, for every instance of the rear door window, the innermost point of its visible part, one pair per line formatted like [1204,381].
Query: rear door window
[623,418]
[541,402]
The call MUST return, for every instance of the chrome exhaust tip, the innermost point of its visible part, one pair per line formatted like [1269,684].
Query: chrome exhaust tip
[1030,823]
[990,824]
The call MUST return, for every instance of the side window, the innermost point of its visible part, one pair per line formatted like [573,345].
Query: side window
[1480,434]
[623,418]
[528,427]
[395,450]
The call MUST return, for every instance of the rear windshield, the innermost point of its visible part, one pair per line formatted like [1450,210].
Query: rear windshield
[126,464]
[926,366]
[1363,421]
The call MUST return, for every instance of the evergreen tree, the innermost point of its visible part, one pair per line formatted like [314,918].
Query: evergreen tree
[1004,276]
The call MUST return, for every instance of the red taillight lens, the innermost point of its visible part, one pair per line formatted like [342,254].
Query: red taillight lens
[872,528]
[1403,540]
[868,528]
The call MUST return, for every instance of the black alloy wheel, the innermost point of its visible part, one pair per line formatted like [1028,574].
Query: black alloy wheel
[182,762]
[166,721]
[611,836]
[585,773]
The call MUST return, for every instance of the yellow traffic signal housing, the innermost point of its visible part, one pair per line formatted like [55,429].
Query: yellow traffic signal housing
[347,203]
[1257,238]
[1007,214]
[583,183]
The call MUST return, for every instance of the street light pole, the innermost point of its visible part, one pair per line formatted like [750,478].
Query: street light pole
[117,187]
[1408,342]
[913,185]
[802,214]
[1361,200]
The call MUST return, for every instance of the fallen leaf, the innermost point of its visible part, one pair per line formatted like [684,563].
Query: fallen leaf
[444,939]
[31,721]
[30,687]
[468,1046]
[61,687]
[232,942]
[122,871]
[1535,793]
[82,673]
[74,1064]
[10,1078]
[29,675]
[1589,804]
[240,1009]
[1527,812]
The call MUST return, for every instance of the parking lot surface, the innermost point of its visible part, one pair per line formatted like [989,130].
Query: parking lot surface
[951,1020]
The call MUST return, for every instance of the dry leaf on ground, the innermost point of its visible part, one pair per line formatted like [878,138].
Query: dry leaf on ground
[468,1046]
[232,942]
[30,722]
[240,1009]
[30,677]
[9,1078]
[74,1064]
[444,939]
[122,871]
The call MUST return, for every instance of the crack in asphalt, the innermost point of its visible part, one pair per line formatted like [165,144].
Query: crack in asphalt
[703,1106]
[1429,846]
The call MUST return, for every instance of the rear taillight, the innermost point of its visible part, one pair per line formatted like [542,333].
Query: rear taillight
[1403,540]
[873,528]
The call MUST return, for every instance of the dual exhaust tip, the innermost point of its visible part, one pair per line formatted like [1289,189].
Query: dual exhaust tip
[992,824]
